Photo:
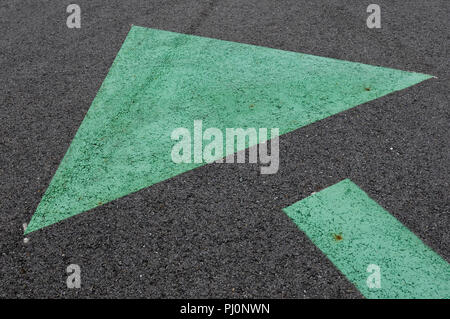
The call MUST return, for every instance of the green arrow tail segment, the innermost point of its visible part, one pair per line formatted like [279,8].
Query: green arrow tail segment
[162,80]
[355,232]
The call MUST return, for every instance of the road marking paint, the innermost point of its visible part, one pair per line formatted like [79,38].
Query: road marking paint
[358,236]
[162,80]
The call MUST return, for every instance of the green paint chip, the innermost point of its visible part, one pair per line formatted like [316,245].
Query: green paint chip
[353,231]
[162,80]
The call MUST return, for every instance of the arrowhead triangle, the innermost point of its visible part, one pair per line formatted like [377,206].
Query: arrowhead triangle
[162,80]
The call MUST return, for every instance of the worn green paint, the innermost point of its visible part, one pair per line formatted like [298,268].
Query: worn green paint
[162,80]
[354,232]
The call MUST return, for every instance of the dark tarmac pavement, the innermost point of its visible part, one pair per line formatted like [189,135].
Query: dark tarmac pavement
[219,230]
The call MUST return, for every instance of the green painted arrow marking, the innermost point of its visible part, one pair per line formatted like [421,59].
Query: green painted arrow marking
[355,232]
[162,80]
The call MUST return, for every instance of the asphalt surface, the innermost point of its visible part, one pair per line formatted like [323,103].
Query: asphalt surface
[219,230]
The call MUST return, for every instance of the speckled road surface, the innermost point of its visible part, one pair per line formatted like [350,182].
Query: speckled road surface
[218,230]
